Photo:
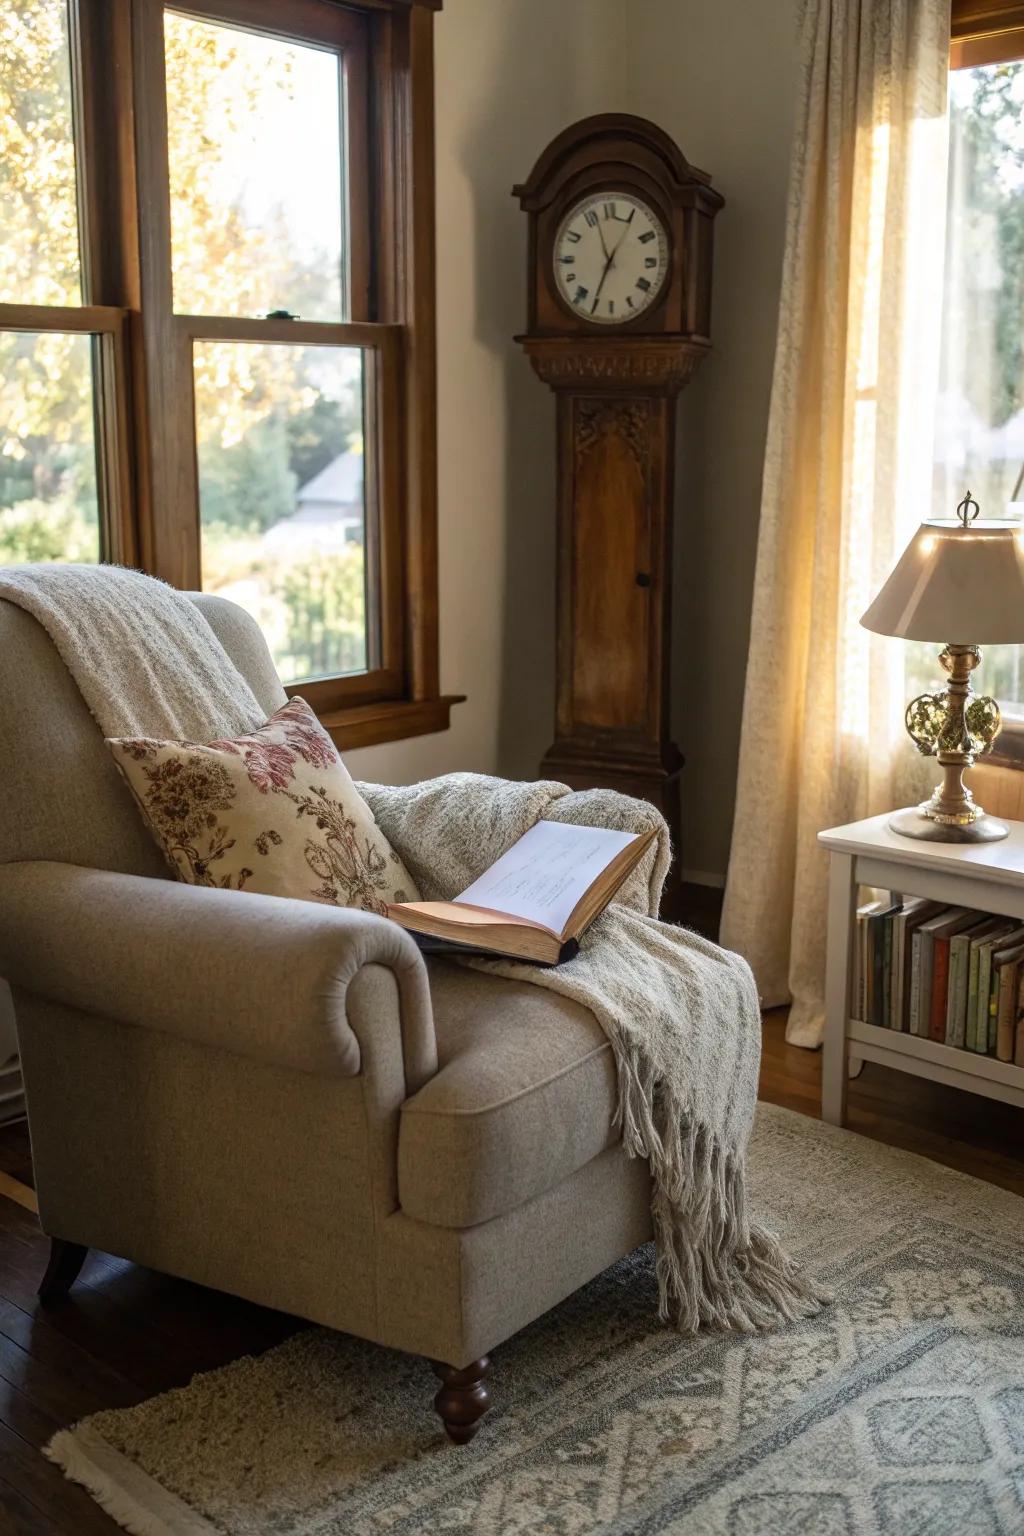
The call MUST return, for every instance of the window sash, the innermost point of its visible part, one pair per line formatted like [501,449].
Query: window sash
[146,440]
[108,327]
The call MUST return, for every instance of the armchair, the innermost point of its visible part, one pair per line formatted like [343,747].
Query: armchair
[281,1099]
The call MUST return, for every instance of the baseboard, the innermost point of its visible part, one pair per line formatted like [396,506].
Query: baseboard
[702,877]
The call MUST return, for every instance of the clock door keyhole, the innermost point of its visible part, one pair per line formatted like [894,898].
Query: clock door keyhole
[643,579]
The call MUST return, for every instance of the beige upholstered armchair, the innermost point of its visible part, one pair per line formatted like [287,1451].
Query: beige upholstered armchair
[280,1099]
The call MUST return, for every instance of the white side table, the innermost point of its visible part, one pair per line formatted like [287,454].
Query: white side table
[988,876]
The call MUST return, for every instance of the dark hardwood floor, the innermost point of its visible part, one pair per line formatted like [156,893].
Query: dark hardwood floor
[125,1333]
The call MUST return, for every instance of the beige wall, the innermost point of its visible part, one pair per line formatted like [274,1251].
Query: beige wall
[720,77]
[510,75]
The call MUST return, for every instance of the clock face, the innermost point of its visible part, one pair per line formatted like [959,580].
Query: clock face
[610,258]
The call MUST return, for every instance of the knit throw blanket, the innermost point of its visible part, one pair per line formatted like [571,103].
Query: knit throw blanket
[681,1014]
[683,1020]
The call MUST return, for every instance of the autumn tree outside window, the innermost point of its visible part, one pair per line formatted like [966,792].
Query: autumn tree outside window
[216,321]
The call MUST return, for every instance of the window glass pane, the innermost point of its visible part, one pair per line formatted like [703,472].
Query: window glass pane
[979,438]
[48,482]
[39,262]
[254,139]
[282,497]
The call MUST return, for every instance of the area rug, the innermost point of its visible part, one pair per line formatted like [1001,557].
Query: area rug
[899,1411]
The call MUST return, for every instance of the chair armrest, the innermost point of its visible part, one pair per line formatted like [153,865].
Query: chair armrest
[262,976]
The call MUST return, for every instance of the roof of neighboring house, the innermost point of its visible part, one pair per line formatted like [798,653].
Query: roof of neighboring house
[340,481]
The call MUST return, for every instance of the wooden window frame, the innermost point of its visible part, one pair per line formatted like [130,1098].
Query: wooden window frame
[991,32]
[144,379]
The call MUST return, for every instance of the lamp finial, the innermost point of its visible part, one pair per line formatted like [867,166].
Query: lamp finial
[964,512]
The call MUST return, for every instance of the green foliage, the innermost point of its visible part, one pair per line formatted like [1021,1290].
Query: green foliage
[317,434]
[986,240]
[46,530]
[325,602]
[248,484]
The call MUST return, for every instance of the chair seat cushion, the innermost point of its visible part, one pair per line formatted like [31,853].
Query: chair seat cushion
[525,1094]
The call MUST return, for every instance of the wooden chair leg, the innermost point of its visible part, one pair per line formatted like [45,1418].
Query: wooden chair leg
[464,1398]
[66,1260]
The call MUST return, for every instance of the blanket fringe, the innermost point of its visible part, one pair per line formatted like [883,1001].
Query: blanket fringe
[714,1268]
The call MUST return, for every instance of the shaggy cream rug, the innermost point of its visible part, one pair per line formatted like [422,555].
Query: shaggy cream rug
[898,1411]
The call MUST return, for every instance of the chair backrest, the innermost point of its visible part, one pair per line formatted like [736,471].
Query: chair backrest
[61,797]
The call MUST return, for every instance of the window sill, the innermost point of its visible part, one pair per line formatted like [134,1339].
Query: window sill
[368,725]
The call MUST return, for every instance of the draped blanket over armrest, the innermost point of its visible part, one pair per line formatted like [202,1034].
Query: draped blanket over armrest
[683,1020]
[681,1014]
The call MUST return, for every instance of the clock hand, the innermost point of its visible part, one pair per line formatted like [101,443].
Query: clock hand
[604,274]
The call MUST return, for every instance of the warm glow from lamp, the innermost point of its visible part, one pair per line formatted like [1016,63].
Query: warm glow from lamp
[959,583]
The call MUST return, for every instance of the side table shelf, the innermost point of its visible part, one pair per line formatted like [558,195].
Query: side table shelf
[989,877]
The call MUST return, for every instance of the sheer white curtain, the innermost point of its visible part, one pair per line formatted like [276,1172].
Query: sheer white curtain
[848,473]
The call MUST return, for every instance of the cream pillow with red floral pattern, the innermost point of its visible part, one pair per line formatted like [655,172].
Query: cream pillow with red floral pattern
[275,811]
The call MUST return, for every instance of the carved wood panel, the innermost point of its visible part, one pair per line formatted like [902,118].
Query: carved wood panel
[611,549]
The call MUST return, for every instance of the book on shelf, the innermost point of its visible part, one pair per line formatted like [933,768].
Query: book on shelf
[1003,1000]
[959,974]
[985,1022]
[536,901]
[943,929]
[946,922]
[993,932]
[1018,1032]
[870,960]
[907,920]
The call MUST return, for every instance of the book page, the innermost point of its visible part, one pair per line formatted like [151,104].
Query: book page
[544,875]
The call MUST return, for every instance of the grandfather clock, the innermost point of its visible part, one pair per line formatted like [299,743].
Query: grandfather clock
[620,233]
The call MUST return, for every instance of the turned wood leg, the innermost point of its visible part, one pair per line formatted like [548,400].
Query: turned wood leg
[464,1398]
[66,1259]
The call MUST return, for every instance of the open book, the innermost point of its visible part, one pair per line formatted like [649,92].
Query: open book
[536,900]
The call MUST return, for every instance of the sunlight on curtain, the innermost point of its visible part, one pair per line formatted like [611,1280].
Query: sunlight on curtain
[847,475]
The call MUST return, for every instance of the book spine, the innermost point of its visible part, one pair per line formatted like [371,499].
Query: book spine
[992,1029]
[913,1012]
[954,1017]
[899,935]
[857,1002]
[924,1012]
[1018,1044]
[971,1017]
[875,927]
[940,990]
[981,1013]
[1006,1017]
[887,941]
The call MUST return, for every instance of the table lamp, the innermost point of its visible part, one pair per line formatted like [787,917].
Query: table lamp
[963,577]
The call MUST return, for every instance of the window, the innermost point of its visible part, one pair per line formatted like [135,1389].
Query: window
[979,438]
[216,321]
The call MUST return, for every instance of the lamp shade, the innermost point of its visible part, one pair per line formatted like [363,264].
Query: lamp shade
[956,585]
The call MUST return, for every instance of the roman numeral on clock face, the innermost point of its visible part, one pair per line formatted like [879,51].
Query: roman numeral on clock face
[643,284]
[647,235]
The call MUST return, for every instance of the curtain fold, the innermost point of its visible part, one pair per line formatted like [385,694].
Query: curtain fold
[848,470]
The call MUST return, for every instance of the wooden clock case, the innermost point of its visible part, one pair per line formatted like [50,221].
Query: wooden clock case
[616,389]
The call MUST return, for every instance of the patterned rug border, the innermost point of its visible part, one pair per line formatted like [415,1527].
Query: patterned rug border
[870,1212]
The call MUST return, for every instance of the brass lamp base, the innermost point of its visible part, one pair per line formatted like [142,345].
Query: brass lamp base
[914,823]
[954,726]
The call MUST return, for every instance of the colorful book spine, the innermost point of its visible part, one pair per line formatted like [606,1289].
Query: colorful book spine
[971,1021]
[914,1010]
[956,1006]
[940,990]
[1006,1017]
[984,997]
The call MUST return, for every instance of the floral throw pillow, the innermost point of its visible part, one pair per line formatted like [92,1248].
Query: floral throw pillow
[274,811]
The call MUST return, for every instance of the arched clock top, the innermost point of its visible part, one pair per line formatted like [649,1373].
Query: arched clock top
[616,193]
